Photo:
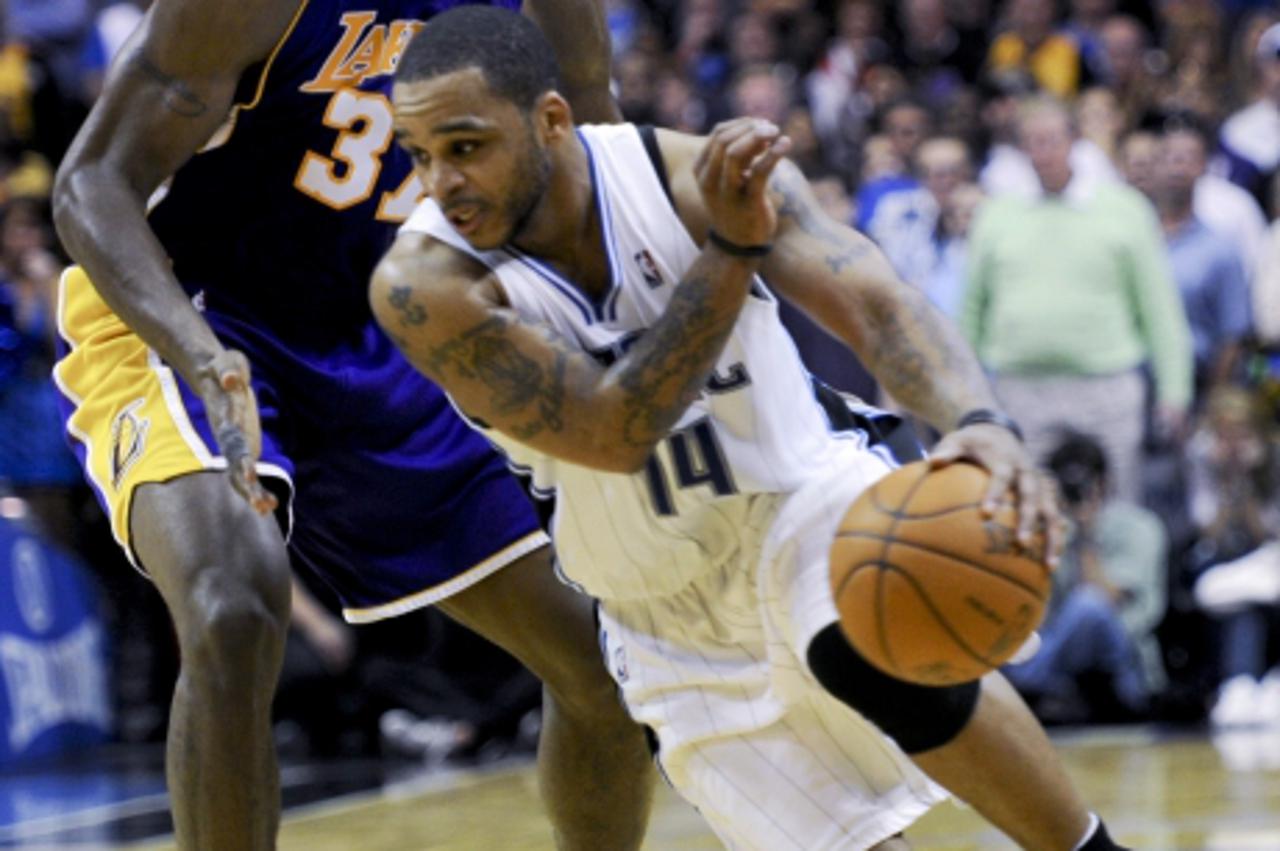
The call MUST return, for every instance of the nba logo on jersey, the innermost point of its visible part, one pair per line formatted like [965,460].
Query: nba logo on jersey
[648,269]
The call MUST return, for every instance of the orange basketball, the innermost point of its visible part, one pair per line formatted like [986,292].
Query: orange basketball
[928,589]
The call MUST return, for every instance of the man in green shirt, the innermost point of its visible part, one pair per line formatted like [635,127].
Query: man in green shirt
[1069,293]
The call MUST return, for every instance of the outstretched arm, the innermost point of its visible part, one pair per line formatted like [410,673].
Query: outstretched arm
[841,279]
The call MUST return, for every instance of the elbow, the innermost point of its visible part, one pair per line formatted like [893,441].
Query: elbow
[612,452]
[63,204]
[631,460]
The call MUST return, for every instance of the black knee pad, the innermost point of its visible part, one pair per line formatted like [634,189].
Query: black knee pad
[918,718]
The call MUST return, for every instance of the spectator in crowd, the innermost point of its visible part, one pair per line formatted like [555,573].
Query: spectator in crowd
[633,75]
[1125,43]
[1222,206]
[1139,158]
[1008,170]
[1068,295]
[1099,659]
[114,23]
[932,54]
[1266,281]
[1085,26]
[879,160]
[806,148]
[762,91]
[1250,138]
[1101,125]
[1234,489]
[908,225]
[35,462]
[677,105]
[835,86]
[905,123]
[1032,46]
[1197,76]
[1206,265]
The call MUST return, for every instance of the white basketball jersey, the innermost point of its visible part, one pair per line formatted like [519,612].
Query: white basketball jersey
[756,428]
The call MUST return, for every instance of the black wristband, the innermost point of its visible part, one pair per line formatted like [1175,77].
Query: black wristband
[735,250]
[980,416]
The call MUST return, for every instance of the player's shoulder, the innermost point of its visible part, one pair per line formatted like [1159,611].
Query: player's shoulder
[430,268]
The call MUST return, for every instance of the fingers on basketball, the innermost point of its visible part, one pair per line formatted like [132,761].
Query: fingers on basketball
[928,588]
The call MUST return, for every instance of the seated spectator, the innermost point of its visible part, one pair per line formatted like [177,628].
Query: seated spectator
[1234,470]
[1098,658]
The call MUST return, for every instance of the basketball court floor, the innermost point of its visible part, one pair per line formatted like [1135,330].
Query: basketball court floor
[1159,790]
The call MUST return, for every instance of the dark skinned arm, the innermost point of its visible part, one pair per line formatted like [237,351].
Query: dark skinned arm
[580,37]
[168,92]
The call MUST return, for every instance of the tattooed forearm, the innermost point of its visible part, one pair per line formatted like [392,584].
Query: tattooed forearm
[178,97]
[922,361]
[516,382]
[667,369]
[795,202]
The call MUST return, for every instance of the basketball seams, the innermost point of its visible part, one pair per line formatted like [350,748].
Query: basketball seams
[881,627]
[901,514]
[937,615]
[940,641]
[872,536]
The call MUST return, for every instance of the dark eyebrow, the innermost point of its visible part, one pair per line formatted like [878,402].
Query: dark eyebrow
[456,125]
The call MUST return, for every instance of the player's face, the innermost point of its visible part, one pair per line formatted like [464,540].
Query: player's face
[478,155]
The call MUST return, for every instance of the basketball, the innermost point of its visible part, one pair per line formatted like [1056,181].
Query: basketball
[928,589]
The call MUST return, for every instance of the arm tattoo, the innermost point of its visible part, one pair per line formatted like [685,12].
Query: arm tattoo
[516,382]
[795,206]
[659,383]
[922,361]
[178,96]
[411,313]
[919,358]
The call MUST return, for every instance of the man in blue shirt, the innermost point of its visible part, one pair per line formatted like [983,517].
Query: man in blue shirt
[1208,268]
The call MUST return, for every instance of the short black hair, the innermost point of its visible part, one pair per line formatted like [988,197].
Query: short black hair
[1078,462]
[508,48]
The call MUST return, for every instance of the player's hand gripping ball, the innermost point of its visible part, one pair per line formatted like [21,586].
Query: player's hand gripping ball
[928,589]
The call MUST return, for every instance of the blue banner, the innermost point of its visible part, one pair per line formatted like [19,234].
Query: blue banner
[54,689]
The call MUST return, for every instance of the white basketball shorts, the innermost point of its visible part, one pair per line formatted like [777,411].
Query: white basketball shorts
[718,671]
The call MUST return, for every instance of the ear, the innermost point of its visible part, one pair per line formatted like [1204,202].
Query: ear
[553,117]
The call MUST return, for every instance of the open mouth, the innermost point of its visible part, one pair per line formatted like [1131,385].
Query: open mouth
[465,218]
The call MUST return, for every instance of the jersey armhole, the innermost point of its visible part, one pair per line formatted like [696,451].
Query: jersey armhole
[649,137]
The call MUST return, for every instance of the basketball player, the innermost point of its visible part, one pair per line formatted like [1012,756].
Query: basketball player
[227,200]
[596,300]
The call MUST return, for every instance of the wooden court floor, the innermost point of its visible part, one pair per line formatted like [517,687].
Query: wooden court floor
[1156,792]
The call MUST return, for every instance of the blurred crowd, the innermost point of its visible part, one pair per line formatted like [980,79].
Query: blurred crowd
[1089,188]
